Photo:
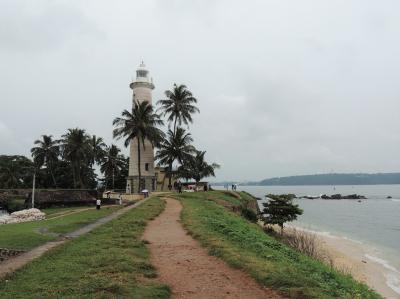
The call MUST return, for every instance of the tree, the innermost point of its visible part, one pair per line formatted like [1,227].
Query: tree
[15,171]
[112,164]
[46,153]
[76,150]
[195,167]
[179,105]
[97,150]
[176,147]
[142,123]
[280,209]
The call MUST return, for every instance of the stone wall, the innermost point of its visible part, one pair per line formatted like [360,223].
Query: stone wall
[50,197]
[8,253]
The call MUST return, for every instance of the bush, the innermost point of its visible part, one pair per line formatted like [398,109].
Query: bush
[249,215]
[13,205]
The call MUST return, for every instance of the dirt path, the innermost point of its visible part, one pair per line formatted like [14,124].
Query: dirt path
[10,265]
[188,269]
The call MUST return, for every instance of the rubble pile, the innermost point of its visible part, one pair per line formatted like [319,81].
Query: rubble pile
[23,216]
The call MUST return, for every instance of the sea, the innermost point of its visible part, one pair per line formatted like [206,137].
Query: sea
[374,222]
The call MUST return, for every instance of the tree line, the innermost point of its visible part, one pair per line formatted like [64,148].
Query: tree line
[71,161]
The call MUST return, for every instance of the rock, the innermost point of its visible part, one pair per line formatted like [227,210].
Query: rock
[389,197]
[336,196]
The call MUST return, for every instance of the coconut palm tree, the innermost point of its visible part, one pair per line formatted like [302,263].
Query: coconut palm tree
[195,167]
[176,147]
[76,150]
[112,163]
[97,147]
[142,123]
[15,171]
[179,105]
[46,153]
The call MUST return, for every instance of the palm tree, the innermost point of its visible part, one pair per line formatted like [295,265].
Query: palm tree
[176,147]
[46,153]
[15,171]
[97,147]
[142,123]
[179,105]
[112,164]
[195,167]
[76,150]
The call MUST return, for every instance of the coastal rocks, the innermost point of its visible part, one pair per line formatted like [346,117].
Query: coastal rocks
[23,216]
[335,196]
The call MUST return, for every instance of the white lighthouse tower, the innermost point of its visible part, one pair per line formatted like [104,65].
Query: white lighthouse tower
[142,88]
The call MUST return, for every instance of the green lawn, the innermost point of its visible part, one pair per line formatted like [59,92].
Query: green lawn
[27,235]
[109,262]
[245,245]
[51,212]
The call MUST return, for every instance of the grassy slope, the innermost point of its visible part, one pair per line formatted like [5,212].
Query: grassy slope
[26,235]
[273,264]
[109,262]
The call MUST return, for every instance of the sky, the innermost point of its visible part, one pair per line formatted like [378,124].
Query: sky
[284,87]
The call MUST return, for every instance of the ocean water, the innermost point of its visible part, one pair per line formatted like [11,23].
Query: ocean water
[375,221]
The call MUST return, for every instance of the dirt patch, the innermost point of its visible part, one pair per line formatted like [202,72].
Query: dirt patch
[188,269]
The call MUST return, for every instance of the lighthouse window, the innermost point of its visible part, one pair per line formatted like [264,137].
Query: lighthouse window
[141,73]
[146,166]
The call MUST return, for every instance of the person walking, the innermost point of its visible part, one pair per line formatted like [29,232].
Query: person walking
[98,204]
[120,199]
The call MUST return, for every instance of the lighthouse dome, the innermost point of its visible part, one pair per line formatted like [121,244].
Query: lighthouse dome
[142,74]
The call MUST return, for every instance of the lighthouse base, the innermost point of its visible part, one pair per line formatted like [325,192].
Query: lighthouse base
[146,183]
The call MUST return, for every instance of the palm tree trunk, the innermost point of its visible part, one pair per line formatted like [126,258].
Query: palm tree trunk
[52,175]
[175,126]
[73,174]
[170,176]
[139,170]
[79,174]
[113,180]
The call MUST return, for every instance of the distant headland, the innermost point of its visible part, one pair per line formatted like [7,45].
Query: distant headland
[326,179]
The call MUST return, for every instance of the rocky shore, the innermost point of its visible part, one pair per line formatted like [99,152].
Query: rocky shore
[335,196]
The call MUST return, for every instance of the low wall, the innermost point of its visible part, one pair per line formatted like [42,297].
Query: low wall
[124,196]
[45,198]
[8,253]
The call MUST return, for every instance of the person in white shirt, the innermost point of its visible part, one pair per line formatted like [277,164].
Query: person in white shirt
[98,204]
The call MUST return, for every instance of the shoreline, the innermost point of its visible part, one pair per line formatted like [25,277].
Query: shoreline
[362,261]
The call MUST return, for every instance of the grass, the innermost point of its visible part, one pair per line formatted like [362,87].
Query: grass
[56,211]
[109,262]
[273,264]
[27,235]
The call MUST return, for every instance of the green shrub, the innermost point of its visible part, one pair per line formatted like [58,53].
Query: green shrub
[16,204]
[249,215]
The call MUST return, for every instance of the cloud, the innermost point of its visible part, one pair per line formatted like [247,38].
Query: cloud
[283,87]
[44,25]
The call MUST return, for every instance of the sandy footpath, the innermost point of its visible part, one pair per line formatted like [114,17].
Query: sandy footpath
[188,269]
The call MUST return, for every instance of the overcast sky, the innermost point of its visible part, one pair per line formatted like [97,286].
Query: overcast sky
[284,87]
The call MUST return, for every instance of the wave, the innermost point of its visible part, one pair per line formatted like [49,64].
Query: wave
[393,282]
[395,199]
[382,262]
[393,277]
[324,234]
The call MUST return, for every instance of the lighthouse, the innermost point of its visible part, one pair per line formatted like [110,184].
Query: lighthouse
[142,88]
